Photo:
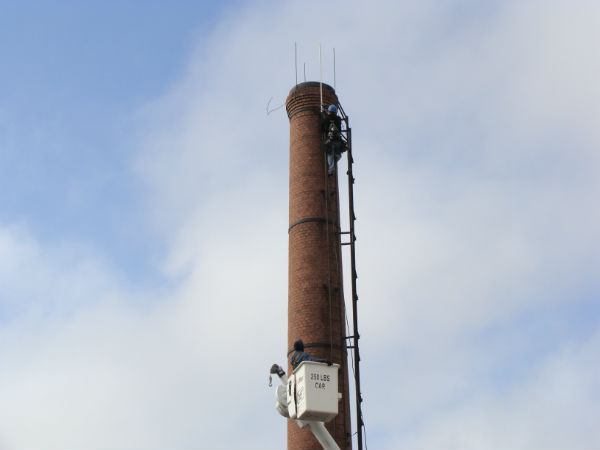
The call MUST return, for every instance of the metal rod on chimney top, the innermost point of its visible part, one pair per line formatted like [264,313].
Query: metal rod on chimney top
[321,76]
[333,68]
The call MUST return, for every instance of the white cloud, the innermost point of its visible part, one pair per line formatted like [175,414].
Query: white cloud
[112,375]
[46,280]
[554,406]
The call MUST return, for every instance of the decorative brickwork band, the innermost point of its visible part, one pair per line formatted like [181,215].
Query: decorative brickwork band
[307,219]
[315,109]
[319,344]
[312,219]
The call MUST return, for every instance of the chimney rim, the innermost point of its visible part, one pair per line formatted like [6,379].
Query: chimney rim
[308,84]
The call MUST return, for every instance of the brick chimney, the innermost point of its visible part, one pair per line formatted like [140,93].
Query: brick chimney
[315,289]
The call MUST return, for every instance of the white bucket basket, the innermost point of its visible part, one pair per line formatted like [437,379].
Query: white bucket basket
[313,391]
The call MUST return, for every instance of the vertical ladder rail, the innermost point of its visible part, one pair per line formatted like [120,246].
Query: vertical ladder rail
[355,334]
[359,419]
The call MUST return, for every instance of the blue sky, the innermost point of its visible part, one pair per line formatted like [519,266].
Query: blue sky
[75,73]
[143,219]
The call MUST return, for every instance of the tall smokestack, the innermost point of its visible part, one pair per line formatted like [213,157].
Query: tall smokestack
[315,292]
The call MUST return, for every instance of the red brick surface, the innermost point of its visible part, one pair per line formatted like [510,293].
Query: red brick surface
[315,291]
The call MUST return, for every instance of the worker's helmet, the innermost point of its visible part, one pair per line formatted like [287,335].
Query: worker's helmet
[299,345]
[332,108]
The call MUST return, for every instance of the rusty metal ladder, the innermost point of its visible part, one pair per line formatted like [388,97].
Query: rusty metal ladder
[352,339]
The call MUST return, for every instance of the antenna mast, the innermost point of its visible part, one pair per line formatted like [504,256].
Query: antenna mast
[321,77]
[334,87]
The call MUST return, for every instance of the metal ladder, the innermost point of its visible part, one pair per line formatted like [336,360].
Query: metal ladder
[352,340]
